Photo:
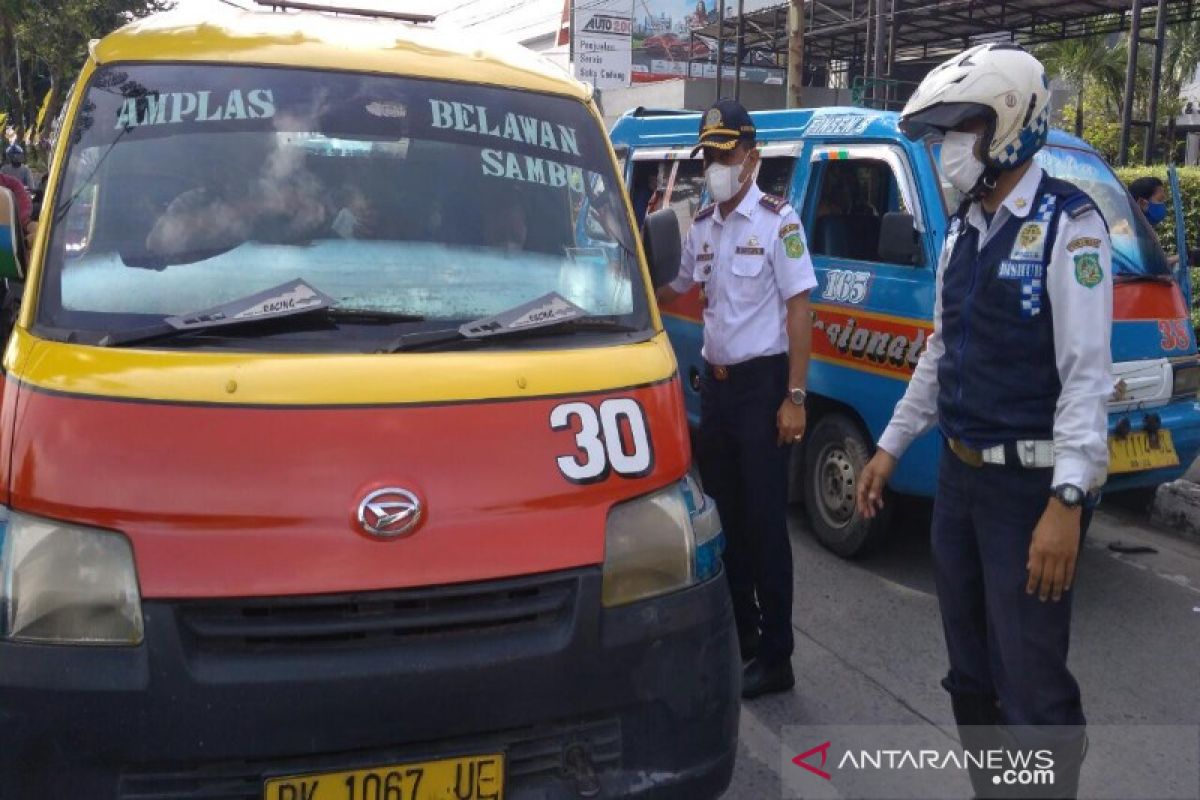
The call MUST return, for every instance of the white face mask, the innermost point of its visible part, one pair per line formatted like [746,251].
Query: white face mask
[722,180]
[959,164]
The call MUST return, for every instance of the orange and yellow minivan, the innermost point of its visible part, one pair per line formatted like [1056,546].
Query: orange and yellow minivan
[343,455]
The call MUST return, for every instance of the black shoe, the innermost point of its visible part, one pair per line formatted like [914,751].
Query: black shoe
[763,677]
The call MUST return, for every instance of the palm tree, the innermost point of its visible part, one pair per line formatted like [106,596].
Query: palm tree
[1083,61]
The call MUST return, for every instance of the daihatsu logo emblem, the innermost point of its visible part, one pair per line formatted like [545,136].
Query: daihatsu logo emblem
[389,513]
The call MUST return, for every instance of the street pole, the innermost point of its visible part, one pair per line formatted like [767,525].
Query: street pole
[795,79]
[1160,36]
[737,54]
[1135,33]
[720,44]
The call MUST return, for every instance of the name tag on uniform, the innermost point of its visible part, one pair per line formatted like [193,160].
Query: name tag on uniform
[706,256]
[1019,270]
[749,251]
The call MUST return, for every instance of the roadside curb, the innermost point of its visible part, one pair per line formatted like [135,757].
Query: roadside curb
[1176,507]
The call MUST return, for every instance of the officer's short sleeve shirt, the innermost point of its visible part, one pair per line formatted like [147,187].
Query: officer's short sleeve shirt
[750,264]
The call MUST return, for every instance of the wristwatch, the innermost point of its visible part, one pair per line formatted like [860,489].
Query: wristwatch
[1069,495]
[797,395]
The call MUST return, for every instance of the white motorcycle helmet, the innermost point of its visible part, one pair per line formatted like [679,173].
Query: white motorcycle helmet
[1001,83]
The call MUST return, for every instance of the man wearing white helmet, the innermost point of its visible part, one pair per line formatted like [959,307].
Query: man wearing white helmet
[1016,375]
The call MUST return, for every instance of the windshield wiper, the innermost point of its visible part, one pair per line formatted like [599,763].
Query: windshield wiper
[293,299]
[551,313]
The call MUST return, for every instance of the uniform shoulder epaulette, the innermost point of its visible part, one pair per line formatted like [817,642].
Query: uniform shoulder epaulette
[1077,205]
[776,204]
[707,211]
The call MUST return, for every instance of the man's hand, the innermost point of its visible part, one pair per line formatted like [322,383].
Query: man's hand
[1053,551]
[665,295]
[871,483]
[791,421]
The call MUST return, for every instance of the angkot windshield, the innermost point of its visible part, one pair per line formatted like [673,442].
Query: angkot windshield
[1136,250]
[429,202]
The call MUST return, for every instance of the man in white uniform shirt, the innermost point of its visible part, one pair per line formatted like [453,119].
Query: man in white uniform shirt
[748,252]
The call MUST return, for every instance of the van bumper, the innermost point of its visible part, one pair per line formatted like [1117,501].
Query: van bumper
[1182,419]
[648,692]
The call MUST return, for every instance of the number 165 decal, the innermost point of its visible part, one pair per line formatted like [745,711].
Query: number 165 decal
[613,437]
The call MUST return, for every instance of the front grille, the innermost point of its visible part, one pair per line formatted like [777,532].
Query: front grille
[377,617]
[534,756]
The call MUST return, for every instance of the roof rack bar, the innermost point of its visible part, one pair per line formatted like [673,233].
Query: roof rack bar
[355,12]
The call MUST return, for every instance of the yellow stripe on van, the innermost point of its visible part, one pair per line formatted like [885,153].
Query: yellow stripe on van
[332,379]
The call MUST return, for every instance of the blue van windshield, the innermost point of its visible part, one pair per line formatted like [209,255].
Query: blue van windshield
[1136,250]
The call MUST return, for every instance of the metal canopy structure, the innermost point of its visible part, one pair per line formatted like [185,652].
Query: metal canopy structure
[919,30]
[881,47]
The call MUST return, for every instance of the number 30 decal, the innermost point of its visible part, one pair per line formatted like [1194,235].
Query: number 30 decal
[615,438]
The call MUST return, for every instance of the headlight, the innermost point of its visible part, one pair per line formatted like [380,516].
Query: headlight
[648,547]
[660,543]
[67,584]
[1186,381]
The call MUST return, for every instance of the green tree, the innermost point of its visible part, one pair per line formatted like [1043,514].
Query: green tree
[1083,63]
[52,37]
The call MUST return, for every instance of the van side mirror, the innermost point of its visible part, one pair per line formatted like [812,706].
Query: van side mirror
[661,238]
[12,238]
[898,242]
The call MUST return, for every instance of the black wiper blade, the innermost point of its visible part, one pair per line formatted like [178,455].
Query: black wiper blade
[290,299]
[453,336]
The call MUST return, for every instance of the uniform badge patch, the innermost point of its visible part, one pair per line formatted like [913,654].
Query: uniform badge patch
[713,118]
[794,245]
[1088,271]
[1031,242]
[1083,241]
[1019,270]
[786,229]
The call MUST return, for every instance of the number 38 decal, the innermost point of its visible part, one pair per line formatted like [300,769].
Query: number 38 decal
[613,437]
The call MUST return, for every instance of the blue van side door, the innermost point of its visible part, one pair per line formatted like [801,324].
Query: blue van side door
[871,318]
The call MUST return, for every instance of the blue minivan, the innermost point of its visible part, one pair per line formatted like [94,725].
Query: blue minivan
[875,209]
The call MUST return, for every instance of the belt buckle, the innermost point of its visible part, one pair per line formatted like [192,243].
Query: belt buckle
[969,456]
[720,373]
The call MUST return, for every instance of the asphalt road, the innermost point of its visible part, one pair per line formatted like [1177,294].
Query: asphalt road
[869,648]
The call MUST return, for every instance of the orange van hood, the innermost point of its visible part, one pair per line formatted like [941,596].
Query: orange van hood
[254,499]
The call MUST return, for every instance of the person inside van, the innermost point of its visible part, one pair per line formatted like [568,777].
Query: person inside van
[356,217]
[1150,194]
[504,225]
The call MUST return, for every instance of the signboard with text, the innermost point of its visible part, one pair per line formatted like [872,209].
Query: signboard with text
[601,31]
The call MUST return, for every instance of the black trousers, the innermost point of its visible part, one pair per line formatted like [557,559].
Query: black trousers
[1002,642]
[746,472]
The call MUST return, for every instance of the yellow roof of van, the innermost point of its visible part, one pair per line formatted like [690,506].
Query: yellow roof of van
[319,40]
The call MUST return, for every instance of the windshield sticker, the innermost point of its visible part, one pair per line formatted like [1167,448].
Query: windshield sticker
[549,309]
[387,110]
[293,297]
[466,118]
[530,169]
[177,107]
[838,125]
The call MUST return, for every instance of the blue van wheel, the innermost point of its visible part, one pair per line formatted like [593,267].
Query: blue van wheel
[835,454]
